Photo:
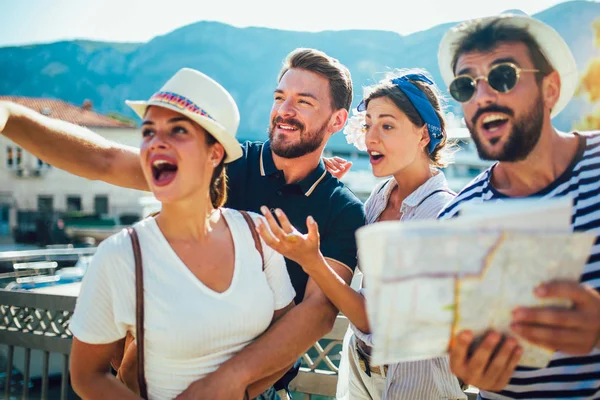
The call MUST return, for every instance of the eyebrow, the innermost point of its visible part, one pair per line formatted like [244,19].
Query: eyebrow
[172,120]
[303,94]
[381,116]
[465,71]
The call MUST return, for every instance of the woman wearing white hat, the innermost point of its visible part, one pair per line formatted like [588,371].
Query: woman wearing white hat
[210,286]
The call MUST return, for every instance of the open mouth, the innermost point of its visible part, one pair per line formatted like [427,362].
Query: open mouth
[287,127]
[375,156]
[493,122]
[163,171]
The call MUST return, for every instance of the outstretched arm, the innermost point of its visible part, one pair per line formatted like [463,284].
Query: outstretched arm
[72,148]
[304,249]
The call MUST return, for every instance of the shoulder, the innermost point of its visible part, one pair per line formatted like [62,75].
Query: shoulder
[472,192]
[592,139]
[250,150]
[238,216]
[339,193]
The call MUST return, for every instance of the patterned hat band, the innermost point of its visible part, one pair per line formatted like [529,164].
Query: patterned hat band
[180,102]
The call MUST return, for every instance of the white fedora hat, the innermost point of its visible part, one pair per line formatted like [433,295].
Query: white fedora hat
[551,44]
[204,101]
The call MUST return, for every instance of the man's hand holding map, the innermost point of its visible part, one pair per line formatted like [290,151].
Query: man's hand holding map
[426,281]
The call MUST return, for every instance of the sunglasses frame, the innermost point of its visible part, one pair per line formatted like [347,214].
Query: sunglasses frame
[476,79]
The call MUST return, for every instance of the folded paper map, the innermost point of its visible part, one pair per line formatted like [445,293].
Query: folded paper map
[425,281]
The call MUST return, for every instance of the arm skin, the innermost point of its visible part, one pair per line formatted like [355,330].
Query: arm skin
[72,148]
[351,303]
[90,376]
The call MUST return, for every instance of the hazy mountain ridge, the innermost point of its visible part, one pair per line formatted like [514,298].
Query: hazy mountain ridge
[246,61]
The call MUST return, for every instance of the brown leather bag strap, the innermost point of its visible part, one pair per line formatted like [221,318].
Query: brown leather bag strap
[139,310]
[257,242]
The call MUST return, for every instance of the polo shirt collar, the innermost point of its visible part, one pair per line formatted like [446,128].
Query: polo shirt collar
[267,164]
[307,185]
[310,183]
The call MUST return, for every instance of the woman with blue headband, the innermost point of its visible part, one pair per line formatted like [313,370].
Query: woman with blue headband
[400,124]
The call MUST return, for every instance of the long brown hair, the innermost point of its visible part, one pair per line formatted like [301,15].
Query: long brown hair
[218,182]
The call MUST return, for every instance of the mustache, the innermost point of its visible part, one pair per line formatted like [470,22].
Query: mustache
[288,121]
[492,108]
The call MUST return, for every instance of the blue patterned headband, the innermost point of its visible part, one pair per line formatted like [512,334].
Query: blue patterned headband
[421,104]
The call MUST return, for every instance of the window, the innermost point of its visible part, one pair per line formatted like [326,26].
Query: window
[45,203]
[9,156]
[19,156]
[73,203]
[101,204]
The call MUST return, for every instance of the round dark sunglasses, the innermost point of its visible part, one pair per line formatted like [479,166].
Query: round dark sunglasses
[502,78]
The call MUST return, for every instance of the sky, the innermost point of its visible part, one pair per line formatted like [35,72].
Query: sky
[43,21]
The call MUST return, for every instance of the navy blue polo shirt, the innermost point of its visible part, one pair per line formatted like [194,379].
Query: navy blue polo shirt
[254,181]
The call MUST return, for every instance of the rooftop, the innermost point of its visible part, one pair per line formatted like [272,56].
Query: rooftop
[81,115]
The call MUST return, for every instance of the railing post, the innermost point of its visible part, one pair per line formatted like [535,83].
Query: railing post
[26,373]
[64,383]
[45,375]
[9,367]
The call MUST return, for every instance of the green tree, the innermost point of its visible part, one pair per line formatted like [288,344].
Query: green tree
[590,87]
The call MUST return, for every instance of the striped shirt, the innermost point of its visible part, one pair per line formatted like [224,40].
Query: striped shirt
[424,203]
[566,377]
[424,379]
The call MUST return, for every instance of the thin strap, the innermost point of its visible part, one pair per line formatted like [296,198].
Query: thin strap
[434,192]
[139,310]
[384,185]
[257,242]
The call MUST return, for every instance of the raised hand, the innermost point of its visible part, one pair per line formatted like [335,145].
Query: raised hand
[286,240]
[337,166]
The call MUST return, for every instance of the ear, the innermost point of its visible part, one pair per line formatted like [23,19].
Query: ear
[425,139]
[216,154]
[338,120]
[551,89]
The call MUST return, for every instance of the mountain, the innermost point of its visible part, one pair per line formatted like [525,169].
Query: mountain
[246,61]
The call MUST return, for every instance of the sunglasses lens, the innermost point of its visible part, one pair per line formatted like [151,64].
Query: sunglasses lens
[503,78]
[462,88]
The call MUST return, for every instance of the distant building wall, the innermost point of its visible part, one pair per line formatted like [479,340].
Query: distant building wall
[23,179]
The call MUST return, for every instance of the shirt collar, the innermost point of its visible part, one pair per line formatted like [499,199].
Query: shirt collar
[307,185]
[310,183]
[436,182]
[267,164]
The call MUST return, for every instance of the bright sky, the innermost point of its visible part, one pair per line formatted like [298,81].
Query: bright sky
[42,21]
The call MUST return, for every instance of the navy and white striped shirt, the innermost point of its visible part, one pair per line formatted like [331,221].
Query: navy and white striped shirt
[566,377]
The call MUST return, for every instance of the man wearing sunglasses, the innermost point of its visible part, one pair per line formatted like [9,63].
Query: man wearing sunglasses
[512,74]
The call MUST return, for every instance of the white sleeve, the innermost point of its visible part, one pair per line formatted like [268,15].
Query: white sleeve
[277,275]
[365,337]
[107,294]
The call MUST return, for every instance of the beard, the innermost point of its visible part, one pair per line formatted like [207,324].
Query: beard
[309,140]
[522,138]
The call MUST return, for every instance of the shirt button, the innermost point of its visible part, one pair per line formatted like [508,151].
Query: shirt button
[279,193]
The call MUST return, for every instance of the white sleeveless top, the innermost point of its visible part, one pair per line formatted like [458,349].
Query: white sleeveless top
[190,330]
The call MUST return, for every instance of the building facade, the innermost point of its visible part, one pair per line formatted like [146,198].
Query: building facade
[29,184]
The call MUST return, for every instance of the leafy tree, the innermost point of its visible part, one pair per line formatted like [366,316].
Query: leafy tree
[590,87]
